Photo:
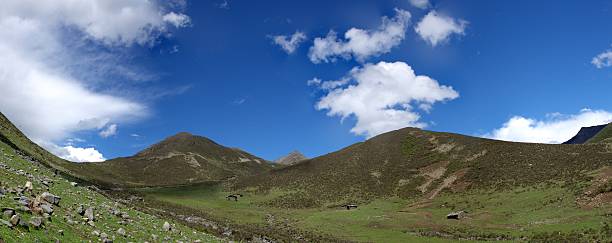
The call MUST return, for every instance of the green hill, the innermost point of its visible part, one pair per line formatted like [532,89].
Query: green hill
[410,163]
[406,182]
[605,135]
[178,160]
[38,205]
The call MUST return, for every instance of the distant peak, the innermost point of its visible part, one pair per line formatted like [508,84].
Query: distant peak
[291,158]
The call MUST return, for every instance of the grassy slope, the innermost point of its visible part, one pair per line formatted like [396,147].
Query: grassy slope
[391,164]
[605,135]
[511,190]
[141,229]
[188,158]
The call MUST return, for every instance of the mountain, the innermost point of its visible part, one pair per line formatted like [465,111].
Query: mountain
[413,163]
[179,159]
[40,205]
[291,158]
[586,133]
[604,135]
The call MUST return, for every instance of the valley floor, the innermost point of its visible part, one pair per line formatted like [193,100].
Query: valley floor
[546,212]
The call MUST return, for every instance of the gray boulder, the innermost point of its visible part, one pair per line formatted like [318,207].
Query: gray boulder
[53,199]
[89,214]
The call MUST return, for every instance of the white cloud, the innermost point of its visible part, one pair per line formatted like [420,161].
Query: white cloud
[178,20]
[422,4]
[289,43]
[556,128]
[110,130]
[603,60]
[43,46]
[361,44]
[436,28]
[380,96]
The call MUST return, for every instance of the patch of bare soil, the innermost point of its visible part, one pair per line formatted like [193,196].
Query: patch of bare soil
[431,173]
[598,194]
[448,181]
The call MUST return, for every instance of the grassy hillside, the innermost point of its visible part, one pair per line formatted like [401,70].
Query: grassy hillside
[405,182]
[113,220]
[411,163]
[178,160]
[605,135]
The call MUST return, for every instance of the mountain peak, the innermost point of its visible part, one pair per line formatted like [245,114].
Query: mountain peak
[291,158]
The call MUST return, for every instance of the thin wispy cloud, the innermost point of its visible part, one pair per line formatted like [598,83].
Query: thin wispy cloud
[289,43]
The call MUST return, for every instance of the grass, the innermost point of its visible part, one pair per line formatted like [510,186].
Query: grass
[512,214]
[142,228]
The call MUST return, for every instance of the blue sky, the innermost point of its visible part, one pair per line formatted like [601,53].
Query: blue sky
[513,70]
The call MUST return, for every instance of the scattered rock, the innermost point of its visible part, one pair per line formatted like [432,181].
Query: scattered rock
[166,226]
[8,212]
[103,235]
[80,210]
[73,183]
[15,220]
[456,215]
[28,186]
[60,232]
[36,222]
[89,214]
[121,232]
[95,233]
[53,199]
[91,223]
[46,208]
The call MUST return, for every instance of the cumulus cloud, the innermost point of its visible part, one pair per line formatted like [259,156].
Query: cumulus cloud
[556,128]
[603,60]
[422,4]
[361,44]
[435,28]
[45,89]
[110,130]
[289,43]
[381,97]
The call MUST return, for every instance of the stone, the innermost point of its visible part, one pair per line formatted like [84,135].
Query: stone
[24,201]
[60,232]
[89,214]
[95,233]
[80,210]
[154,237]
[73,183]
[53,199]
[456,215]
[46,208]
[125,216]
[15,220]
[36,222]
[47,216]
[8,212]
[121,232]
[166,226]
[91,223]
[28,186]
[103,235]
